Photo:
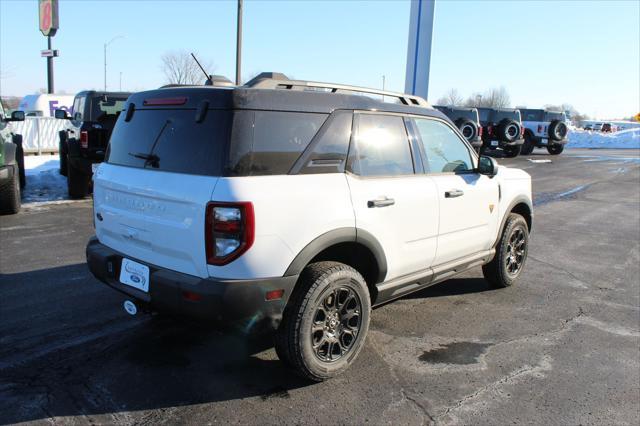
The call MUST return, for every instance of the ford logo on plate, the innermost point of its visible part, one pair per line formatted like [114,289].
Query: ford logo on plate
[135,279]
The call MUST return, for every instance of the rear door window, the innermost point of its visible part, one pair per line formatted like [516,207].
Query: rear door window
[445,151]
[381,147]
[171,141]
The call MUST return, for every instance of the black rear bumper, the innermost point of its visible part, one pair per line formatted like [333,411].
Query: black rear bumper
[218,300]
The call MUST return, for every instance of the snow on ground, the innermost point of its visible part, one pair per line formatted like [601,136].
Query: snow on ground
[44,182]
[623,139]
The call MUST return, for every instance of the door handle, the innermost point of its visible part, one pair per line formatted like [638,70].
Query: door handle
[453,193]
[381,202]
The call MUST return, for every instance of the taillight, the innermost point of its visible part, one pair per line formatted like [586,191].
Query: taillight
[229,231]
[84,139]
[521,130]
[490,130]
[539,128]
[479,131]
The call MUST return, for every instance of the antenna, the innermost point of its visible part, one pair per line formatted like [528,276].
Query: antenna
[205,73]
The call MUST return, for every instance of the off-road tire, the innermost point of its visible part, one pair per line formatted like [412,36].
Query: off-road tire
[503,130]
[466,125]
[497,271]
[512,151]
[62,152]
[557,130]
[527,146]
[10,193]
[555,148]
[77,182]
[294,339]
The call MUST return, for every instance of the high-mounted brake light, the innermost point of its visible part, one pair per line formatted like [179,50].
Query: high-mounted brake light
[84,139]
[165,101]
[229,231]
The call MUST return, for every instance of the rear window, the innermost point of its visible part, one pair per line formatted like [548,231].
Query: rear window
[106,106]
[224,143]
[171,141]
[532,115]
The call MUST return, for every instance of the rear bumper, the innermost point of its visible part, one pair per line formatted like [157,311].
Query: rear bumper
[540,141]
[488,143]
[221,301]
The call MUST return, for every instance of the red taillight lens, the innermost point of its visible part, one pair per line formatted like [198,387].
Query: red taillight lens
[539,128]
[521,130]
[229,231]
[480,131]
[84,139]
[490,130]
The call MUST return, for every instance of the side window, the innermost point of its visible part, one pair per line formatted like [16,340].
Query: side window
[270,142]
[327,153]
[78,108]
[445,151]
[381,147]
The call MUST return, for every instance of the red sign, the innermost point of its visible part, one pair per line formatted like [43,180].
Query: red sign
[48,13]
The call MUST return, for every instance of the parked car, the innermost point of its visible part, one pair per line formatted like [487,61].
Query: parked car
[501,128]
[467,120]
[12,177]
[608,128]
[544,129]
[290,205]
[84,141]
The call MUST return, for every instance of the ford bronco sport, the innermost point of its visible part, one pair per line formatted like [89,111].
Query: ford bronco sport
[85,139]
[297,206]
[544,129]
[501,128]
[467,120]
[11,164]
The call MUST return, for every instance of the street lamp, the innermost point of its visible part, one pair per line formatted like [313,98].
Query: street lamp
[105,58]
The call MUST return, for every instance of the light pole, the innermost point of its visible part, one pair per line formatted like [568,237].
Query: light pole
[239,44]
[105,58]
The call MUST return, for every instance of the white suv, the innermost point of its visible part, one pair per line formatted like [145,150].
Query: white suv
[291,206]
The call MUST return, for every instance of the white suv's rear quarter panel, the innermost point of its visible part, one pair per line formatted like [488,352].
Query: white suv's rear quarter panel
[290,212]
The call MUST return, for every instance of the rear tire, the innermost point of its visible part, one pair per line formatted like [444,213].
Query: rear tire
[10,193]
[511,151]
[527,146]
[557,130]
[325,323]
[555,148]
[77,182]
[511,253]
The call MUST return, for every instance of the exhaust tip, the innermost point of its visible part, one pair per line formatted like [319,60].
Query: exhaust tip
[130,307]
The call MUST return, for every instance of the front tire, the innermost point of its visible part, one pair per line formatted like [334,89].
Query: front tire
[10,193]
[325,322]
[511,253]
[555,148]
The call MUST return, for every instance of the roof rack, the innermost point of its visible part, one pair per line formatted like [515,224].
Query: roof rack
[269,80]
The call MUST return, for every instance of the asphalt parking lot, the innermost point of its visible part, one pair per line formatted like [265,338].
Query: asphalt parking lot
[561,347]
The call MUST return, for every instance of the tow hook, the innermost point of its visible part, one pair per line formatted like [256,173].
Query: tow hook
[130,307]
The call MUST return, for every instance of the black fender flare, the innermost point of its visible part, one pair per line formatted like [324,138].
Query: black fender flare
[336,236]
[518,200]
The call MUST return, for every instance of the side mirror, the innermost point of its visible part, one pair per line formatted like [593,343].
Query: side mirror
[487,166]
[61,114]
[16,116]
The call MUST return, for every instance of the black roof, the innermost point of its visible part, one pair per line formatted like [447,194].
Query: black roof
[102,92]
[273,99]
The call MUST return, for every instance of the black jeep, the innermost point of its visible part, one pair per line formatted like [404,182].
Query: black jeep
[84,142]
[467,120]
[501,128]
[12,178]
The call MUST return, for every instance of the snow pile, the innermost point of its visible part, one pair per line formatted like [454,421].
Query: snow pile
[44,182]
[623,139]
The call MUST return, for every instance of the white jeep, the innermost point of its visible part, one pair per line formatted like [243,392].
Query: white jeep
[544,129]
[295,206]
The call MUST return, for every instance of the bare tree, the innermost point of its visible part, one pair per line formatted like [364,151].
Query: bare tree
[492,98]
[180,68]
[451,98]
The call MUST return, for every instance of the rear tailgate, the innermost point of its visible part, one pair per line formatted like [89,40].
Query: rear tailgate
[156,217]
[161,169]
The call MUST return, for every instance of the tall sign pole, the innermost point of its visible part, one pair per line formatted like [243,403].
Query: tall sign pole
[419,47]
[239,45]
[48,17]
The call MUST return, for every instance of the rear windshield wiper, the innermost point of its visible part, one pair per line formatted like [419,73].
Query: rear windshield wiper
[148,158]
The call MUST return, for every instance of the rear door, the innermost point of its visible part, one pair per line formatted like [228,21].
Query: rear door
[151,194]
[392,202]
[468,201]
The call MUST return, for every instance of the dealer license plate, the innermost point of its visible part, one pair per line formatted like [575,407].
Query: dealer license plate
[134,274]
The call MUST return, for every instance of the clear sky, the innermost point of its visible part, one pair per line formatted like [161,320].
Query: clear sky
[586,53]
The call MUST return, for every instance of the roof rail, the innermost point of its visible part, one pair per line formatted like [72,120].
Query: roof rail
[280,81]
